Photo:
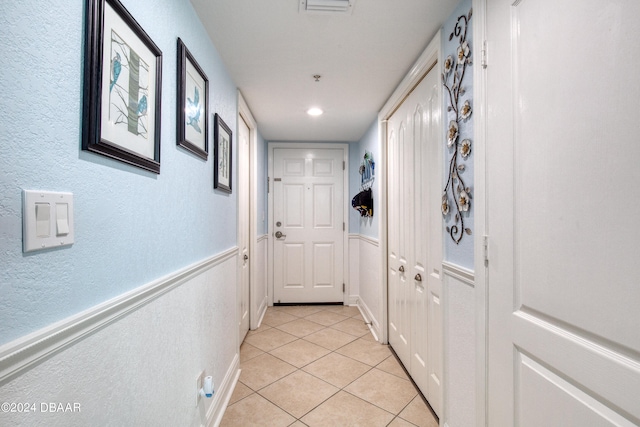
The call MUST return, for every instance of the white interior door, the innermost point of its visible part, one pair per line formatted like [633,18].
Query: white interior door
[562,166]
[415,236]
[243,226]
[308,224]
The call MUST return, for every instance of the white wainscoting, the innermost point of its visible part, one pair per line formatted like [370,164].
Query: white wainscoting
[260,297]
[370,285]
[459,346]
[133,360]
[353,287]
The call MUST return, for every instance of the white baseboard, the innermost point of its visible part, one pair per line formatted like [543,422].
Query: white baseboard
[223,394]
[369,320]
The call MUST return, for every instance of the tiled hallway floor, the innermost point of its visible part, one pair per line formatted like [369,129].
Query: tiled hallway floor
[320,366]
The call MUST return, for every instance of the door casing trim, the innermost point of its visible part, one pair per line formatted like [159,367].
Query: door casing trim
[345,235]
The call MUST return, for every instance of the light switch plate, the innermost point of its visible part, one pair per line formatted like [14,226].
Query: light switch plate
[59,207]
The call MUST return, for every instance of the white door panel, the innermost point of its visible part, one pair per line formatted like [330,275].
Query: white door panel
[309,212]
[563,294]
[414,236]
[243,219]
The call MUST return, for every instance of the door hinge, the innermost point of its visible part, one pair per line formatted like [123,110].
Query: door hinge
[483,61]
[485,249]
[344,165]
[268,185]
[344,227]
[344,287]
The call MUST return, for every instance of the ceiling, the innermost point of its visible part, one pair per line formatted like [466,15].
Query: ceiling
[272,51]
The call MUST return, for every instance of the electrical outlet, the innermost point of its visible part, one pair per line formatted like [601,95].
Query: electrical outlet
[199,384]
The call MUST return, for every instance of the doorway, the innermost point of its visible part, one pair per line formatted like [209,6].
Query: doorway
[250,298]
[307,222]
[411,132]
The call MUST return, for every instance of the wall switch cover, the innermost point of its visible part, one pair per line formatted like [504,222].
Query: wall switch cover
[47,220]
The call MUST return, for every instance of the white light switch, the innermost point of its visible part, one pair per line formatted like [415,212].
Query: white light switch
[62,219]
[41,212]
[43,219]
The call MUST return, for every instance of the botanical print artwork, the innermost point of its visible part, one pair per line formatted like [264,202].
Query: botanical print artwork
[458,112]
[223,165]
[193,107]
[128,88]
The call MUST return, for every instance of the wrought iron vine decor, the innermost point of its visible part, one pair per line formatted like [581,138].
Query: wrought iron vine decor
[459,111]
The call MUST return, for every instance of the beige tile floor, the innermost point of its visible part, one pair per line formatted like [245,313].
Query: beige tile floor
[320,366]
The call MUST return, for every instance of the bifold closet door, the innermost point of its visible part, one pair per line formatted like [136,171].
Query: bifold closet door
[414,237]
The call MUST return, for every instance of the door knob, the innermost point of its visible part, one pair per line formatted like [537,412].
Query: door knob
[280,235]
[418,278]
[246,257]
[401,269]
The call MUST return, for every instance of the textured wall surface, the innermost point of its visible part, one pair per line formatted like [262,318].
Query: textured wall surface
[370,278]
[261,209]
[461,253]
[140,370]
[131,226]
[459,352]
[370,142]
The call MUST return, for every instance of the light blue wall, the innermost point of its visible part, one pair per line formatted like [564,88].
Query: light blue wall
[461,253]
[369,142]
[262,162]
[354,186]
[131,226]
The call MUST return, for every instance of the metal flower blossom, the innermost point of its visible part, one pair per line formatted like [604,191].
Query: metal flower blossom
[448,64]
[463,201]
[445,204]
[465,148]
[456,199]
[453,133]
[463,52]
[465,111]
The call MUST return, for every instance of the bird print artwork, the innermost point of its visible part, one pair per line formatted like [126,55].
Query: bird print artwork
[193,111]
[116,67]
[142,106]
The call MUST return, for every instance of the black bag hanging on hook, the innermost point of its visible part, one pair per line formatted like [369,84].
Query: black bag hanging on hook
[363,202]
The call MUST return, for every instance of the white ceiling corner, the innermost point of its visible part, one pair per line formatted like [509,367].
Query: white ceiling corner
[272,51]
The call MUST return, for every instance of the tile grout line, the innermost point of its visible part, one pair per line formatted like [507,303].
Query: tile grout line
[297,338]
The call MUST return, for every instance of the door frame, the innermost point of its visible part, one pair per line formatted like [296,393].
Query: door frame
[270,226]
[480,51]
[244,113]
[430,56]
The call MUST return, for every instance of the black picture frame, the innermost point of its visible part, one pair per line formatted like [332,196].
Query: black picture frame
[120,58]
[193,114]
[223,143]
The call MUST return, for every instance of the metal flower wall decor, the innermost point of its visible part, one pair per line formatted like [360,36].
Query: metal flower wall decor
[458,111]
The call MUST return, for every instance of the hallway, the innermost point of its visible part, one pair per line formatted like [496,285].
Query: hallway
[319,366]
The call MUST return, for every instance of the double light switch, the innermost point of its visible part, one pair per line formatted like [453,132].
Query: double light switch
[47,220]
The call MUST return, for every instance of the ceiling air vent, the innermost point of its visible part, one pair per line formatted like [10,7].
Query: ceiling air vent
[334,6]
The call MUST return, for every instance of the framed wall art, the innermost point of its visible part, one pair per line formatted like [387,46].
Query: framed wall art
[193,101]
[222,142]
[122,87]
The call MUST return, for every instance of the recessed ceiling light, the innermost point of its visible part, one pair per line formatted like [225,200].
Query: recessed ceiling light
[314,111]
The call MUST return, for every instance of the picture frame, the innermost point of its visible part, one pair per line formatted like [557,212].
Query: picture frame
[193,104]
[122,87]
[223,143]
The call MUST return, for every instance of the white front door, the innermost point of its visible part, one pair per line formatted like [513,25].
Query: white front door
[243,226]
[415,236]
[562,170]
[308,224]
